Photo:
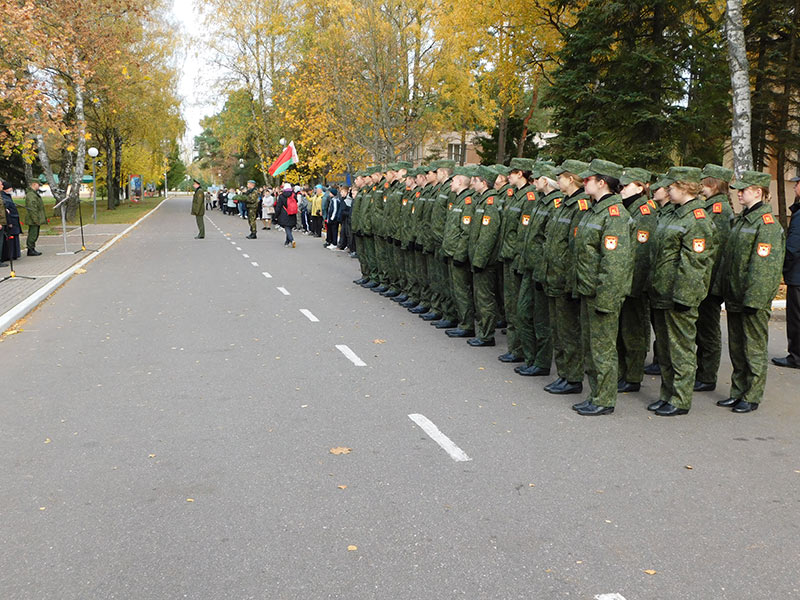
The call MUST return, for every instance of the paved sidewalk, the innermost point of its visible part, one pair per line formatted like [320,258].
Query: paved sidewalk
[45,267]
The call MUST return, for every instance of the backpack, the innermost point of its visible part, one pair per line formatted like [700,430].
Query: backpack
[291,205]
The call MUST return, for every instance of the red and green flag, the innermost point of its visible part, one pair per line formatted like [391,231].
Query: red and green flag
[287,158]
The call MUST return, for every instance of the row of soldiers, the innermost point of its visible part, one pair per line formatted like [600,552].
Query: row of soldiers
[578,261]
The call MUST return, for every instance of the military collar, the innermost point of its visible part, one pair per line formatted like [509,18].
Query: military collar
[605,202]
[579,194]
[525,190]
[691,205]
[756,213]
[638,203]
[552,195]
[488,194]
[714,199]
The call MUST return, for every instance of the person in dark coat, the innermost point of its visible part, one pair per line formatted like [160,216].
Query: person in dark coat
[12,229]
[285,220]
[334,218]
[791,276]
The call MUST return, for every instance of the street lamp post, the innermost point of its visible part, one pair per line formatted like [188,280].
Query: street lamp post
[93,153]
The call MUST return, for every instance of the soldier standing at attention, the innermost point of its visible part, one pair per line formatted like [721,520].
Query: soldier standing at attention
[455,246]
[36,216]
[512,208]
[199,209]
[559,256]
[251,201]
[440,203]
[715,181]
[404,232]
[484,236]
[355,224]
[633,340]
[749,277]
[603,265]
[683,256]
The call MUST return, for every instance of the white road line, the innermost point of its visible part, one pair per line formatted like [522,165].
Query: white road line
[437,436]
[284,291]
[255,264]
[238,248]
[613,596]
[352,356]
[310,315]
[246,255]
[267,275]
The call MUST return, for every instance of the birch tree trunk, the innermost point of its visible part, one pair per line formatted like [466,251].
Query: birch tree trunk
[740,88]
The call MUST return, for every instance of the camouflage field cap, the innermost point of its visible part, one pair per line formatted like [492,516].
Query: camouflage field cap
[522,164]
[465,171]
[444,164]
[717,172]
[752,178]
[662,182]
[572,166]
[501,170]
[488,174]
[403,164]
[685,174]
[548,170]
[603,167]
[631,174]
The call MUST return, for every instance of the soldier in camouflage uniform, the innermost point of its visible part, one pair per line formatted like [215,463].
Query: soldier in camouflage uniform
[405,246]
[392,218]
[366,222]
[749,277]
[36,216]
[603,265]
[429,196]
[425,178]
[379,228]
[633,341]
[441,202]
[505,191]
[510,217]
[355,224]
[715,181]
[533,312]
[199,209]
[455,246]
[682,259]
[251,201]
[563,302]
[483,248]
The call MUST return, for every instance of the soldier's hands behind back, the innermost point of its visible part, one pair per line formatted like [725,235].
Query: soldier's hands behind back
[681,307]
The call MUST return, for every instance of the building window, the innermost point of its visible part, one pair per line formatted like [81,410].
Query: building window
[454,153]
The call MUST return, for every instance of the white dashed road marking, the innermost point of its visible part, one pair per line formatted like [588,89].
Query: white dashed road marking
[246,255]
[255,264]
[437,436]
[284,291]
[310,315]
[267,275]
[351,356]
[238,248]
[613,596]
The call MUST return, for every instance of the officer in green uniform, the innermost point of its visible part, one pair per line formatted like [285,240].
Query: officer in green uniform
[36,216]
[366,221]
[405,251]
[715,181]
[251,201]
[533,311]
[559,258]
[391,209]
[503,186]
[633,341]
[484,247]
[429,193]
[355,224]
[683,256]
[519,172]
[603,265]
[199,209]
[425,177]
[749,277]
[455,246]
[441,202]
[379,197]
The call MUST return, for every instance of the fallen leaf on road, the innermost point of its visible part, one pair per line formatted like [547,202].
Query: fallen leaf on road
[47,440]
[12,331]
[342,487]
[351,548]
[151,456]
[80,271]
[690,467]
[650,571]
[304,406]
[42,508]
[531,485]
[481,368]
[341,450]
[190,499]
[378,341]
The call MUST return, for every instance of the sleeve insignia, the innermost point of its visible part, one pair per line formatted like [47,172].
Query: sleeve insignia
[486,219]
[510,191]
[466,219]
[490,201]
[611,241]
[450,206]
[613,210]
[768,219]
[531,196]
[644,209]
[575,232]
[526,219]
[642,236]
[699,244]
[557,202]
[764,249]
[417,195]
[468,200]
[583,204]
[405,201]
[699,213]
[717,208]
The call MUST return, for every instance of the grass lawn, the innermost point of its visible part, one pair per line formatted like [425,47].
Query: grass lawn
[128,212]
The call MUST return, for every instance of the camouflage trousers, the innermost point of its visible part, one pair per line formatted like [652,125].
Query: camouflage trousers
[370,257]
[446,306]
[434,285]
[533,323]
[747,345]
[675,336]
[362,255]
[484,283]
[599,337]
[421,263]
[633,340]
[709,341]
[201,226]
[565,327]
[461,277]
[384,259]
[400,283]
[251,219]
[511,283]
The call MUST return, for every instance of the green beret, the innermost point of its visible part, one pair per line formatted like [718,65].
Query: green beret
[717,172]
[465,171]
[603,167]
[572,166]
[486,173]
[502,170]
[248,181]
[631,174]
[687,174]
[749,178]
[404,164]
[522,164]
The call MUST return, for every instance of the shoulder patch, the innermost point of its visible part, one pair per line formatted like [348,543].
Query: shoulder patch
[652,203]
[611,242]
[468,200]
[510,191]
[531,195]
[557,202]
[490,201]
[466,219]
[613,210]
[583,204]
[768,219]
[644,209]
[405,201]
[417,195]
[642,236]
[450,206]
[717,208]
[699,244]
[486,219]
[699,213]
[764,249]
[386,185]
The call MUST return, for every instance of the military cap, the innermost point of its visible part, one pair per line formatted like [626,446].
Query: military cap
[248,181]
[444,164]
[391,166]
[571,166]
[198,183]
[403,164]
[427,168]
[631,174]
[465,171]
[752,178]
[501,170]
[548,170]
[687,174]
[662,181]
[486,173]
[411,172]
[522,164]
[717,172]
[603,167]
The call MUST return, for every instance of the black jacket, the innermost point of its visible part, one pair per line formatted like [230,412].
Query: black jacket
[791,262]
[284,219]
[12,215]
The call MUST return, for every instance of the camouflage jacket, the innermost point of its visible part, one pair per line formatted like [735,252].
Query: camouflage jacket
[484,233]
[557,254]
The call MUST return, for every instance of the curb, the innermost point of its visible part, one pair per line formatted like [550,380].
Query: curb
[14,314]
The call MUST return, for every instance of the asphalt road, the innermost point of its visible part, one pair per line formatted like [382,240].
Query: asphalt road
[168,417]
